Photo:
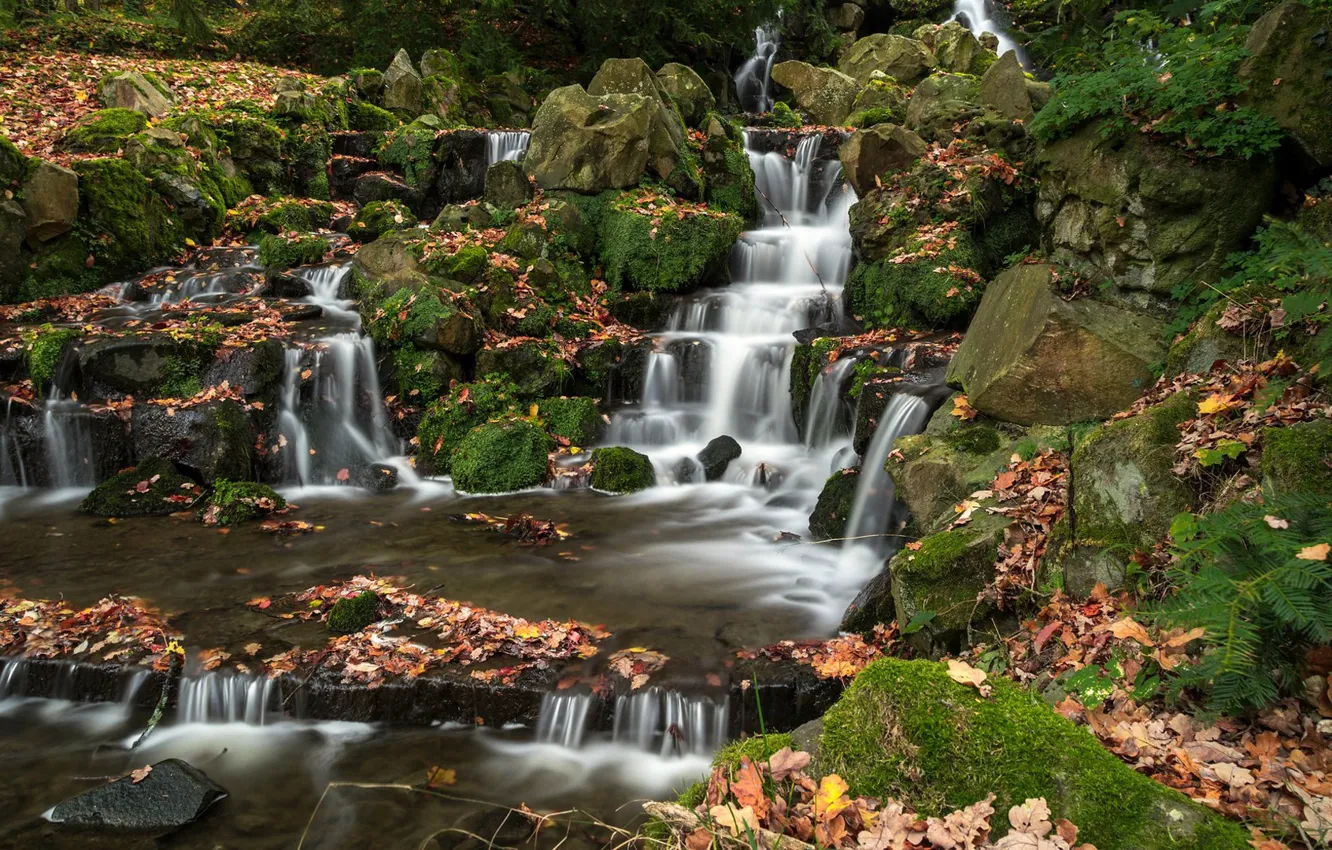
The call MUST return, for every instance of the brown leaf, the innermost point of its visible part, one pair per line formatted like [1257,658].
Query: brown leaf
[137,776]
[786,762]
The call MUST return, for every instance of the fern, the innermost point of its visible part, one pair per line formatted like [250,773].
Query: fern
[1239,578]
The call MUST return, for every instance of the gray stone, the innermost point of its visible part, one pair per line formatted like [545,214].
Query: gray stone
[1290,52]
[212,440]
[878,151]
[904,59]
[847,17]
[132,90]
[626,76]
[941,102]
[13,228]
[507,186]
[717,455]
[686,88]
[437,62]
[50,200]
[825,93]
[172,795]
[403,87]
[1006,89]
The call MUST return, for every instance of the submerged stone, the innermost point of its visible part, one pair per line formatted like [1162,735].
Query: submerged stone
[172,794]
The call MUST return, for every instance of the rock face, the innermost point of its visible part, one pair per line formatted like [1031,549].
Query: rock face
[172,795]
[687,89]
[50,200]
[941,102]
[1290,44]
[824,93]
[590,144]
[904,59]
[507,186]
[877,151]
[210,440]
[955,48]
[403,87]
[626,76]
[1031,357]
[1144,214]
[1006,89]
[132,90]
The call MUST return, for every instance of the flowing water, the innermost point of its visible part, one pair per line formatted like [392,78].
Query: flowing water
[979,17]
[753,82]
[691,570]
[506,145]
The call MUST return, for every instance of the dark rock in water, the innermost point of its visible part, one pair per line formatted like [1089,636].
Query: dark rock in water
[115,367]
[872,605]
[806,336]
[645,311]
[170,796]
[100,439]
[717,455]
[507,186]
[769,477]
[211,441]
[687,470]
[833,509]
[461,155]
[378,186]
[254,369]
[375,477]
[287,285]
[342,223]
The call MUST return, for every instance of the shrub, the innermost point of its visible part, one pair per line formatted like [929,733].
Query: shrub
[1185,90]
[1252,577]
[621,470]
[352,614]
[501,457]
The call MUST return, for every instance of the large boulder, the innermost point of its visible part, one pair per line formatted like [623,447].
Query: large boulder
[945,464]
[590,144]
[1289,54]
[50,200]
[904,59]
[1006,89]
[170,795]
[1145,214]
[877,151]
[825,93]
[212,440]
[1031,357]
[404,89]
[501,457]
[153,487]
[686,88]
[626,76]
[940,103]
[132,90]
[881,99]
[507,186]
[955,48]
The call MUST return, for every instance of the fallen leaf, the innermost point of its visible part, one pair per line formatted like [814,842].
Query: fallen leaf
[1317,552]
[964,674]
[137,776]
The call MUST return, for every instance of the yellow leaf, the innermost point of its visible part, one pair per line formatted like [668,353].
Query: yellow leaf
[1317,552]
[532,411]
[962,409]
[1216,403]
[527,631]
[80,96]
[831,798]
[437,776]
[190,242]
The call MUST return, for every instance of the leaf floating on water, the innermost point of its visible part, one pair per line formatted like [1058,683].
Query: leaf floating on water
[437,777]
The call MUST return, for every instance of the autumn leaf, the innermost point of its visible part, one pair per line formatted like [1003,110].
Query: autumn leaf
[747,786]
[963,410]
[1216,403]
[344,474]
[137,776]
[831,798]
[786,762]
[1317,552]
[964,674]
[1276,522]
[527,631]
[437,777]
[740,821]
[1128,629]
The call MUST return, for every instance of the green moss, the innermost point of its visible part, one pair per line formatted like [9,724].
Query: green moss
[576,419]
[284,252]
[904,729]
[918,294]
[299,214]
[1298,459]
[13,164]
[869,370]
[368,117]
[128,226]
[870,117]
[104,131]
[467,406]
[464,266]
[501,457]
[682,254]
[181,375]
[410,150]
[379,217]
[784,116]
[120,495]
[621,470]
[832,510]
[975,438]
[423,376]
[1014,231]
[731,189]
[232,502]
[351,614]
[59,268]
[43,350]
[407,314]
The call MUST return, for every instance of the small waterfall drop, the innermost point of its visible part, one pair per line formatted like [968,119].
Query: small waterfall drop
[669,723]
[978,16]
[68,441]
[506,145]
[563,719]
[215,697]
[13,677]
[826,419]
[753,82]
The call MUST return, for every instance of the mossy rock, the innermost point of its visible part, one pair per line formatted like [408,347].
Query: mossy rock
[833,508]
[368,117]
[728,178]
[621,470]
[131,226]
[284,252]
[939,470]
[104,131]
[946,575]
[143,490]
[577,419]
[379,217]
[13,164]
[450,419]
[501,457]
[1298,459]
[922,293]
[465,265]
[351,614]
[410,150]
[1206,342]
[233,502]
[43,350]
[682,254]
[424,376]
[59,268]
[534,367]
[905,730]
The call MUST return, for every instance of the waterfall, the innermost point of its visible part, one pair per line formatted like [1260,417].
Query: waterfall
[753,82]
[506,145]
[563,719]
[670,723]
[826,418]
[68,441]
[214,697]
[13,467]
[978,16]
[872,509]
[13,677]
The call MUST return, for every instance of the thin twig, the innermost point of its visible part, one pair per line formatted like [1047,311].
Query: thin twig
[787,224]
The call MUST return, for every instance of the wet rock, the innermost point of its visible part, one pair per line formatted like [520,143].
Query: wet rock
[375,477]
[904,59]
[1031,357]
[112,368]
[344,171]
[50,200]
[501,457]
[687,89]
[101,437]
[879,151]
[211,441]
[826,94]
[461,158]
[378,186]
[1289,54]
[534,370]
[132,90]
[153,487]
[621,470]
[873,605]
[644,311]
[717,455]
[403,87]
[507,186]
[1006,89]
[832,510]
[13,230]
[171,795]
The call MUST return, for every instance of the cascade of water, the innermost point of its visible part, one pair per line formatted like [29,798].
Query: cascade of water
[13,466]
[670,723]
[133,684]
[13,677]
[978,16]
[871,511]
[827,417]
[68,441]
[214,697]
[505,145]
[563,719]
[753,82]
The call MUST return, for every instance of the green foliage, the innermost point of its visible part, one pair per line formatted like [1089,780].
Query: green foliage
[501,457]
[379,217]
[675,254]
[283,252]
[232,502]
[867,370]
[351,614]
[43,349]
[1184,90]
[180,376]
[784,116]
[575,419]
[621,470]
[1239,575]
[447,421]
[189,19]
[104,131]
